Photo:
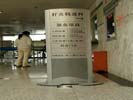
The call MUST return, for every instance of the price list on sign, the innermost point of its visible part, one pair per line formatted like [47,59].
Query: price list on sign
[67,34]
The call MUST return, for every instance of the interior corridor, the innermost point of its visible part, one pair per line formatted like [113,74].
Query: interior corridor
[73,42]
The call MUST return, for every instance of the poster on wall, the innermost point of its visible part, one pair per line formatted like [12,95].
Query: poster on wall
[67,33]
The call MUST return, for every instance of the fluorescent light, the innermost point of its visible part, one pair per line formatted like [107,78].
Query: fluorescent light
[38,37]
[10,38]
[40,32]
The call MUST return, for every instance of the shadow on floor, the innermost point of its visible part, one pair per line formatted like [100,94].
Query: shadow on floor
[116,79]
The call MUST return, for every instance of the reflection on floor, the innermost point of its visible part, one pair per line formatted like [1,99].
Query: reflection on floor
[21,84]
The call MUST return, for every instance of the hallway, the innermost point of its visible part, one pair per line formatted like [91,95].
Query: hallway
[21,84]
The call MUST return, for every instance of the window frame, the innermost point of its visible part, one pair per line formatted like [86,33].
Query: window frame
[93,28]
[115,35]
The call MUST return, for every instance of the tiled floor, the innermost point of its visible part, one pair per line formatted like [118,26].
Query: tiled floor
[21,84]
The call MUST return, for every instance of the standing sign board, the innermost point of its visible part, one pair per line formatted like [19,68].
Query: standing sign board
[68,46]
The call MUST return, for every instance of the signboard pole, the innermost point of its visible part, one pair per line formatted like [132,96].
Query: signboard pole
[68,42]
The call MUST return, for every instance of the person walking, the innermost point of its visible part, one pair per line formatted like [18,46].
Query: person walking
[23,44]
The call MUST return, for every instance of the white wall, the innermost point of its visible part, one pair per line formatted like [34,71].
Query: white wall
[120,51]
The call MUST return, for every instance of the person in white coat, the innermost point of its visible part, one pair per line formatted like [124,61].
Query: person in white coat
[23,44]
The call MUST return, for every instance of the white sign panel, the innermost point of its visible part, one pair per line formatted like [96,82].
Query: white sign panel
[67,33]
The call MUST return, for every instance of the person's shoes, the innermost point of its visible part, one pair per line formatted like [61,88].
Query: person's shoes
[18,66]
[26,66]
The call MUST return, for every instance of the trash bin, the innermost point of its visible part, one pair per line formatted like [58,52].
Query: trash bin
[100,61]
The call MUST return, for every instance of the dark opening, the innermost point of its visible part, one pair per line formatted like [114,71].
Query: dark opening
[110,25]
[94,30]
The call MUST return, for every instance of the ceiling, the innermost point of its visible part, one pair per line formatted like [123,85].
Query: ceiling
[29,14]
